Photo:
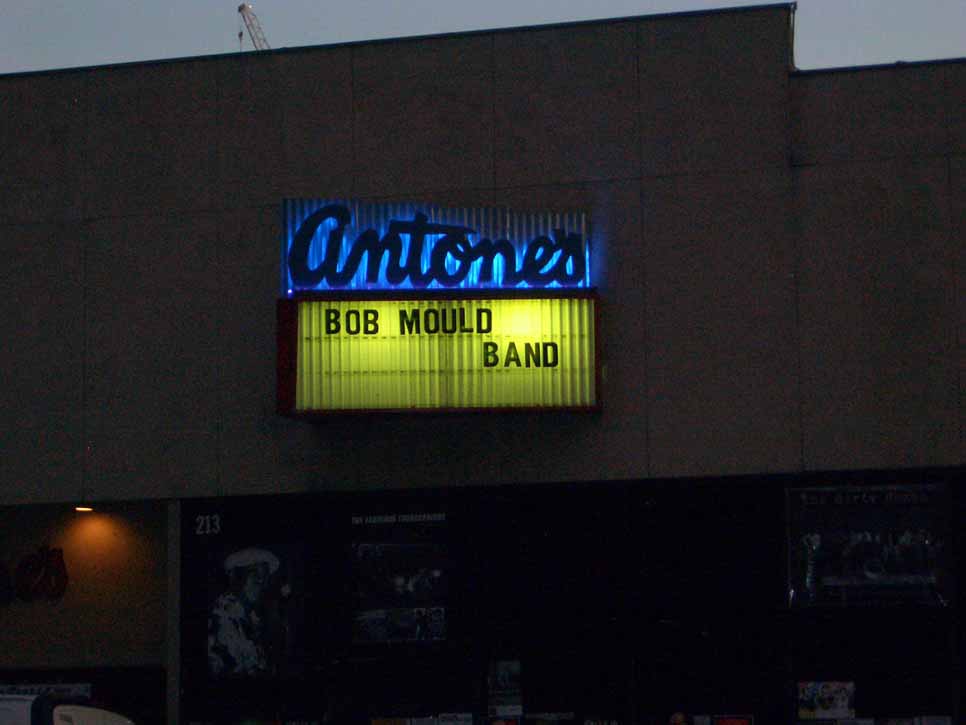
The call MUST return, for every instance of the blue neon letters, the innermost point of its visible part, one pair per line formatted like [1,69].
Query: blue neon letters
[560,259]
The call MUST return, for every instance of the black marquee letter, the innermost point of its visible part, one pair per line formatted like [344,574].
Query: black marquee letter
[490,358]
[332,326]
[409,322]
[371,322]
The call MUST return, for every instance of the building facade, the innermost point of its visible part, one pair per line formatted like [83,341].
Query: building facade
[778,258]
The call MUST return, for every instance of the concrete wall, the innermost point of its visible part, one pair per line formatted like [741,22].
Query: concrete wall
[776,253]
[879,199]
[113,610]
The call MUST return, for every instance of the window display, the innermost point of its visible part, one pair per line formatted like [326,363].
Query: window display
[580,606]
[869,546]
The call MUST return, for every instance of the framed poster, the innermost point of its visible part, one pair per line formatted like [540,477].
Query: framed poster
[261,603]
[504,689]
[869,546]
[399,577]
[823,700]
[256,610]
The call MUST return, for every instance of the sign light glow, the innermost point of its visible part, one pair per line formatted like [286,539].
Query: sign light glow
[438,352]
[344,245]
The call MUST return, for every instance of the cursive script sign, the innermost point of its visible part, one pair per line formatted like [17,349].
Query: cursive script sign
[342,245]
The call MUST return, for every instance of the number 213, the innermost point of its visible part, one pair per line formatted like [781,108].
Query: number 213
[207,525]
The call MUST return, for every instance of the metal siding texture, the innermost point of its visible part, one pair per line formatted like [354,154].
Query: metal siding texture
[493,223]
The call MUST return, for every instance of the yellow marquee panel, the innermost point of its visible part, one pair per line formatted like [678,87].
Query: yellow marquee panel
[444,353]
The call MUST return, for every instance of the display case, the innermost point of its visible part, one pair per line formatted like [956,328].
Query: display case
[613,602]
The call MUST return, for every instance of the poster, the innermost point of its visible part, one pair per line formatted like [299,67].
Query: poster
[400,569]
[818,700]
[456,718]
[255,611]
[868,545]
[550,718]
[505,692]
[60,689]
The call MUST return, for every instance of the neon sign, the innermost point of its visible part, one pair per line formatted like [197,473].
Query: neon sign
[337,245]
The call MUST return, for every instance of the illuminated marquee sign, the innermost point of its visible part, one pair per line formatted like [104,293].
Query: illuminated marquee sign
[420,307]
[438,351]
[342,245]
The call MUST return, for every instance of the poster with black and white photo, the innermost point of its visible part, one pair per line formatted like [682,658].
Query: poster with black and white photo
[400,564]
[869,546]
[504,689]
[255,611]
[824,700]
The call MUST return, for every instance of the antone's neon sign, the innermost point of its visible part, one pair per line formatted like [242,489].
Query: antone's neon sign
[418,253]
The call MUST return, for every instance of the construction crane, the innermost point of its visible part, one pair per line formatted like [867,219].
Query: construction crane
[254,27]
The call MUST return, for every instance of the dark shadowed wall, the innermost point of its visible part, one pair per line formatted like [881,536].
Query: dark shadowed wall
[112,612]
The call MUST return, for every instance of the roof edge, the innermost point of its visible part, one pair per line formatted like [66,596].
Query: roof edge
[790,6]
[897,65]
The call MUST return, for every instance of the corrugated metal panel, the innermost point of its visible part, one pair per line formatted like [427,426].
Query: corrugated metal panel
[519,228]
[439,353]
